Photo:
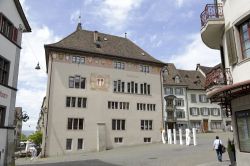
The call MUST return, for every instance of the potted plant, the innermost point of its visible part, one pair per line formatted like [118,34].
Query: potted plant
[231,151]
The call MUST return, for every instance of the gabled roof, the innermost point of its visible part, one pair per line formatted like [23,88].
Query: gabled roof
[204,69]
[22,15]
[172,73]
[109,45]
[194,79]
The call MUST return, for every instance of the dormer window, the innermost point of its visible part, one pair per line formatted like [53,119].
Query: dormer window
[177,79]
[165,74]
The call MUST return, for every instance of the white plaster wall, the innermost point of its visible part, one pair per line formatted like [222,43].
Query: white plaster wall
[97,109]
[8,8]
[200,105]
[235,11]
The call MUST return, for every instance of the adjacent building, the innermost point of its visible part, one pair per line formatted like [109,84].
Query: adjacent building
[225,26]
[103,92]
[12,24]
[186,104]
[18,126]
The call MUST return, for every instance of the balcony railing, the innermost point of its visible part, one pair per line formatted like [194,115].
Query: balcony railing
[211,12]
[218,77]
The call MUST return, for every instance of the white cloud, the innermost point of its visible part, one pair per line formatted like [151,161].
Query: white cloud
[179,3]
[74,17]
[194,53]
[32,83]
[116,13]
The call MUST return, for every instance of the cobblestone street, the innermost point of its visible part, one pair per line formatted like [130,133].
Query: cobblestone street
[144,155]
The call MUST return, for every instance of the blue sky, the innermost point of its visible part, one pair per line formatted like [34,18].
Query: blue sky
[169,30]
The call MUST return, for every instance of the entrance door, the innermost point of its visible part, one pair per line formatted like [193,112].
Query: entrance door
[205,125]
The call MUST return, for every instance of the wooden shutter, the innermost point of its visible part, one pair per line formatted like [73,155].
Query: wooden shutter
[15,34]
[198,111]
[191,113]
[231,47]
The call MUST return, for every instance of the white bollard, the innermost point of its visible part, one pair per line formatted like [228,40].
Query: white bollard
[169,136]
[194,136]
[180,134]
[174,132]
[188,139]
[163,137]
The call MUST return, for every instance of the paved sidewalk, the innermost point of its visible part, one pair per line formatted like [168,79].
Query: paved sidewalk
[144,155]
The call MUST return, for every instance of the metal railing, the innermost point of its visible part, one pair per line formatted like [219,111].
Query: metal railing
[218,77]
[212,11]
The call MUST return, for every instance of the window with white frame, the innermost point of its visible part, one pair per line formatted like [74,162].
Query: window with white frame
[168,91]
[119,65]
[204,111]
[244,30]
[215,125]
[179,91]
[77,82]
[100,82]
[215,111]
[78,59]
[177,79]
[180,113]
[196,124]
[203,98]
[144,68]
[179,102]
[146,124]
[193,98]
[118,124]
[194,111]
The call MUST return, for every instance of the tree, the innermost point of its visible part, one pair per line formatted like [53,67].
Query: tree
[23,137]
[36,137]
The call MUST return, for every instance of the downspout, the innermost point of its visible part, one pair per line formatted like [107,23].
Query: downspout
[46,129]
[162,106]
[187,110]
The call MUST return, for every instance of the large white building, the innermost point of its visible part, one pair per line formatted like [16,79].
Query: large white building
[12,24]
[186,104]
[226,27]
[103,92]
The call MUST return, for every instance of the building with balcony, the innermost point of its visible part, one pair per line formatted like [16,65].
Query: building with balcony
[12,24]
[232,37]
[185,101]
[103,92]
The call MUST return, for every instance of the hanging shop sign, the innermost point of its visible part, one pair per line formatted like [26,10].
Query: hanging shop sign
[243,126]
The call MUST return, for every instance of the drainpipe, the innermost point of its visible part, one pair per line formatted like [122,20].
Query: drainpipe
[187,110]
[47,116]
[162,106]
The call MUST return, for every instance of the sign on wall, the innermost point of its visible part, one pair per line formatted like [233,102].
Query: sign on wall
[243,126]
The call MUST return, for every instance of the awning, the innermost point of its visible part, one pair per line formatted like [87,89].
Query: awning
[229,92]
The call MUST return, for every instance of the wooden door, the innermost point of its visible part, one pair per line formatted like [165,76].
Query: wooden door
[205,125]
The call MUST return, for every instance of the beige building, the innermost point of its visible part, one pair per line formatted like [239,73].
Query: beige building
[226,27]
[103,92]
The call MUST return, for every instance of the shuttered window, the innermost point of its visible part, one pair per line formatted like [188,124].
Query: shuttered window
[245,39]
[231,47]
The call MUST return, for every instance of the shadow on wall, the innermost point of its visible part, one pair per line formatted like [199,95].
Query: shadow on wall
[76,163]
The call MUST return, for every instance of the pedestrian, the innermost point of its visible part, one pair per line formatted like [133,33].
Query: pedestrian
[218,147]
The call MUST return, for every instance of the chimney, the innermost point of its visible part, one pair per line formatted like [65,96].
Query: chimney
[97,39]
